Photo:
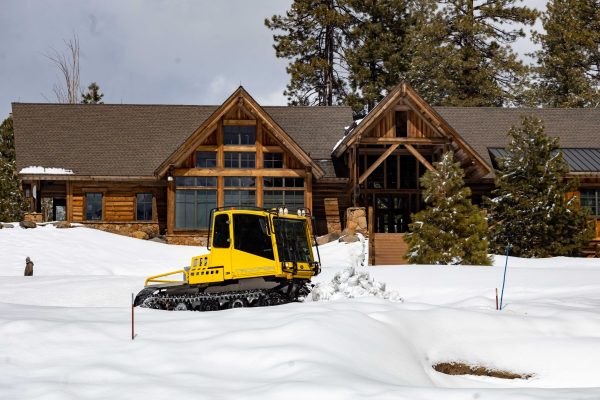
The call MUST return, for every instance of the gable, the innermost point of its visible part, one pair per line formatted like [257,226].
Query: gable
[424,127]
[239,109]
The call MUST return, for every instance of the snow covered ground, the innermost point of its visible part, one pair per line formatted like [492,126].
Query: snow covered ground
[65,332]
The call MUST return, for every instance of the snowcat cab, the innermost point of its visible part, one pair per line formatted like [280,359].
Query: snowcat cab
[257,257]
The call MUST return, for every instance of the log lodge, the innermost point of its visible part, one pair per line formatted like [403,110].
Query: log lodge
[162,168]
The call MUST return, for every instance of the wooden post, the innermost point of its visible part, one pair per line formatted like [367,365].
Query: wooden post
[170,205]
[259,164]
[220,164]
[371,224]
[132,318]
[69,202]
[308,192]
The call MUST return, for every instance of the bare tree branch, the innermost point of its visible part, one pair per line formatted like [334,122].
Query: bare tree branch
[68,89]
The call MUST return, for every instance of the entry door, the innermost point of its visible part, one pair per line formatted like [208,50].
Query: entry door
[392,212]
[59,209]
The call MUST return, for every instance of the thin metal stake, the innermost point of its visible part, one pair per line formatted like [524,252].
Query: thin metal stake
[504,279]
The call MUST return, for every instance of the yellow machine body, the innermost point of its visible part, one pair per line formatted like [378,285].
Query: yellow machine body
[251,244]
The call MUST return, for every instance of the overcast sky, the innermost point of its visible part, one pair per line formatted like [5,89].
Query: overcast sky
[173,52]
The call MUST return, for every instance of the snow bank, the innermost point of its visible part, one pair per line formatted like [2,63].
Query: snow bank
[352,284]
[46,170]
[66,330]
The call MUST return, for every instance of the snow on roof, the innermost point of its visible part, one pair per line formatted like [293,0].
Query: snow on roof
[46,171]
[347,131]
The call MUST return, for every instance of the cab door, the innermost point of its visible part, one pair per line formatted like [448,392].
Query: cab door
[252,254]
[221,243]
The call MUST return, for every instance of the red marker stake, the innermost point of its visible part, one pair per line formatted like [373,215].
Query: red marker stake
[132,319]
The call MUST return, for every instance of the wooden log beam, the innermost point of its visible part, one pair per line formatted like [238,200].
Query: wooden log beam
[292,173]
[404,140]
[419,157]
[377,162]
[238,122]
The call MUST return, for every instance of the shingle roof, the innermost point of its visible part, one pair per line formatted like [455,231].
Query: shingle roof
[578,159]
[133,140]
[486,127]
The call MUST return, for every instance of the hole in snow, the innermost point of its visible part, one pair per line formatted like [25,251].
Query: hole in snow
[458,368]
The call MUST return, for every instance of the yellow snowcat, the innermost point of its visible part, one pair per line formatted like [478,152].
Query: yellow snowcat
[257,257]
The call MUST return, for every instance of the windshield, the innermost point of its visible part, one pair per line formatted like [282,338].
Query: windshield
[292,241]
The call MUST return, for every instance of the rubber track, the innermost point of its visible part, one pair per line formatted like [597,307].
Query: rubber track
[215,301]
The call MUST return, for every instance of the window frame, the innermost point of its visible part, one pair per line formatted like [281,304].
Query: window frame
[239,134]
[137,204]
[196,188]
[102,193]
[240,161]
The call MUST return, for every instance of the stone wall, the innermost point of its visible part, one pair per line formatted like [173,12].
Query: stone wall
[356,220]
[128,229]
[188,239]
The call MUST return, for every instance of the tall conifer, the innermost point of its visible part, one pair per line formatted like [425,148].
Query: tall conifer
[461,52]
[11,197]
[450,230]
[312,36]
[532,211]
[378,52]
[568,74]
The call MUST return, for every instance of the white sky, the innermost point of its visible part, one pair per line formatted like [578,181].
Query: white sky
[173,52]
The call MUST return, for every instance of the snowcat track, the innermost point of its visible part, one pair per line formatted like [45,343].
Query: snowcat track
[218,301]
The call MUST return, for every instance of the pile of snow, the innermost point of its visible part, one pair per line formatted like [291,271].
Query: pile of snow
[46,170]
[351,284]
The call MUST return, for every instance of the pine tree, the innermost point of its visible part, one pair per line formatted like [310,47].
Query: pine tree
[311,35]
[531,211]
[450,230]
[568,74]
[461,54]
[11,197]
[377,54]
[93,95]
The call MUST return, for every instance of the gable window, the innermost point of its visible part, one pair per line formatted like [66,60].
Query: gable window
[240,160]
[233,135]
[590,198]
[143,206]
[93,206]
[206,159]
[401,123]
[273,160]
[195,196]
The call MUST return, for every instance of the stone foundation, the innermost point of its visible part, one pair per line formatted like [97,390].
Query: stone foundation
[188,239]
[127,229]
[356,220]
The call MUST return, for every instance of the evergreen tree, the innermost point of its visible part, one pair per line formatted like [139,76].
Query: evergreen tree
[312,36]
[461,54]
[377,54]
[531,211]
[451,230]
[93,95]
[12,202]
[569,60]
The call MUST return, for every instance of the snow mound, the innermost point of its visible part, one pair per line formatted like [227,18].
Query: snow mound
[350,284]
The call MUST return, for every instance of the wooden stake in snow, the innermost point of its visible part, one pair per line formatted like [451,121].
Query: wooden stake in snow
[504,279]
[496,299]
[132,319]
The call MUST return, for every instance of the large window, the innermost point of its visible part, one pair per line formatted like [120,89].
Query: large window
[194,198]
[236,159]
[93,206]
[239,135]
[273,160]
[206,159]
[288,192]
[143,206]
[590,198]
[238,191]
